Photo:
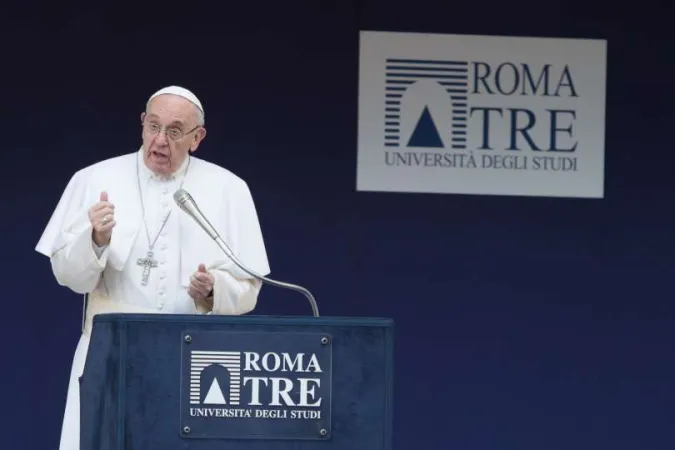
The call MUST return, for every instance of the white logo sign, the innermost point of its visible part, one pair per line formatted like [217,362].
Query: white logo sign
[272,383]
[481,115]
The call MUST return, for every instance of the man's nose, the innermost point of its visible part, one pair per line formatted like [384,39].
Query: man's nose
[161,138]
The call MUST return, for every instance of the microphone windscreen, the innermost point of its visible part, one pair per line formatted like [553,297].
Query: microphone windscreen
[181,196]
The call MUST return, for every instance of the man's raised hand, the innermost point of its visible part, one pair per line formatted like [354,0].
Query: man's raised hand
[201,285]
[102,218]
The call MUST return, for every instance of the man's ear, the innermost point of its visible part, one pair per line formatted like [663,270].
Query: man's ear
[199,137]
[142,116]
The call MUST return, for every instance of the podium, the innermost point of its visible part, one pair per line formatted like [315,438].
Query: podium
[157,381]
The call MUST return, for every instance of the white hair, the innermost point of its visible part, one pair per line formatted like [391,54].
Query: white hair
[200,117]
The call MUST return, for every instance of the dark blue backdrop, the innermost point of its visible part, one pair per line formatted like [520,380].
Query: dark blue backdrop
[522,323]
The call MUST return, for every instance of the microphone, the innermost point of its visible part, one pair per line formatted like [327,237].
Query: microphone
[185,201]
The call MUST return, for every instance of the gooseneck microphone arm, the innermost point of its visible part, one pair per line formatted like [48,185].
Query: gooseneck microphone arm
[186,203]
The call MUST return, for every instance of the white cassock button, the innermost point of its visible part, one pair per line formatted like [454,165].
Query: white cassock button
[163,246]
[160,306]
[165,204]
[162,275]
[165,190]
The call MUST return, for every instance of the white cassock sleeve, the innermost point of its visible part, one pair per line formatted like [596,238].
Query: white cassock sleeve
[235,291]
[67,240]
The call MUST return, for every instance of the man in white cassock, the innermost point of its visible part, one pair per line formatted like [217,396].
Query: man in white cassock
[117,235]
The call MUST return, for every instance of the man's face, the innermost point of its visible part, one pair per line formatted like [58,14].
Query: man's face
[170,131]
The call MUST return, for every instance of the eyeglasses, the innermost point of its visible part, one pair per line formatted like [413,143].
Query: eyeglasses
[174,133]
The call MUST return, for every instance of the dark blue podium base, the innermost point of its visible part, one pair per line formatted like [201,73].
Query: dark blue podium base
[244,382]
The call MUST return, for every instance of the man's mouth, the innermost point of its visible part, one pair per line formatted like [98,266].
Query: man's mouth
[159,156]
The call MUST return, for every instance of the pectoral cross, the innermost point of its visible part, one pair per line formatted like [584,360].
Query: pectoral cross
[147,263]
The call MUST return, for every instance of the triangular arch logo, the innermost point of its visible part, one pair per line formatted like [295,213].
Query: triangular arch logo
[425,133]
[215,395]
